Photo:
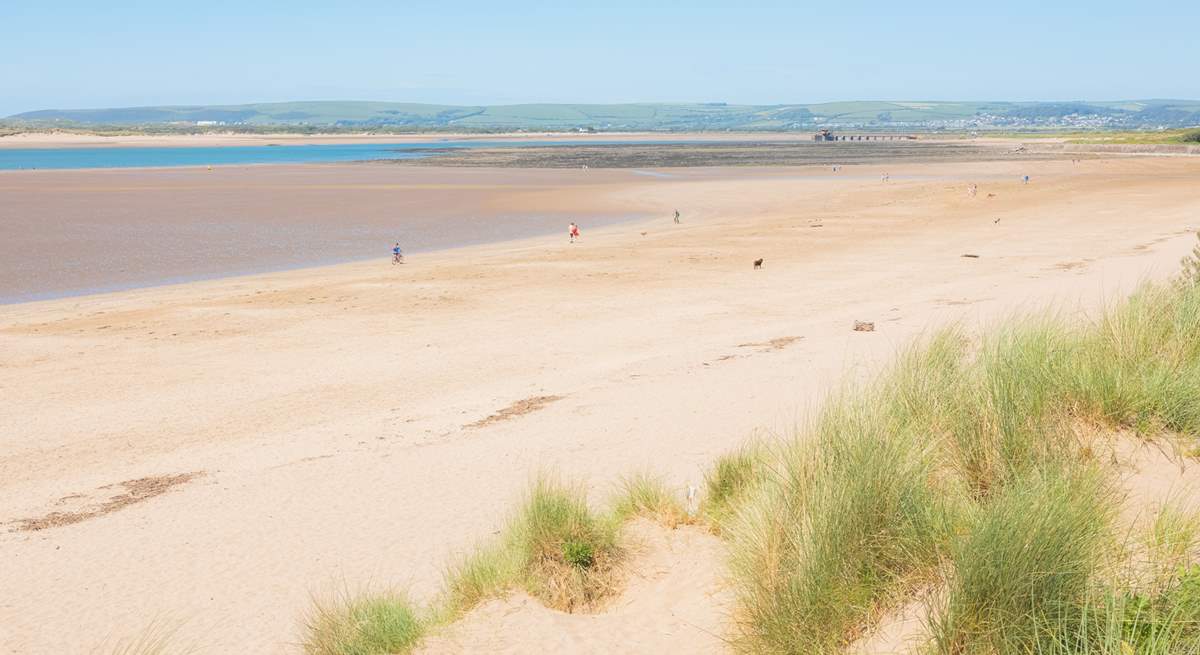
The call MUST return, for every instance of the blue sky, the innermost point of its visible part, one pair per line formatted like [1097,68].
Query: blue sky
[77,54]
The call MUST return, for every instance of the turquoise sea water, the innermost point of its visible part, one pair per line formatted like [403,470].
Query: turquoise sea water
[124,157]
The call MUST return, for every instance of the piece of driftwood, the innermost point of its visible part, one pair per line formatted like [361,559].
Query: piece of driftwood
[864,326]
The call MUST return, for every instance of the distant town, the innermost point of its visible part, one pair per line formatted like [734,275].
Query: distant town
[873,116]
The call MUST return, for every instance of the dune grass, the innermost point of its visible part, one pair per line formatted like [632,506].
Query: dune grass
[852,514]
[363,624]
[967,462]
[555,547]
[647,496]
[730,479]
[1025,562]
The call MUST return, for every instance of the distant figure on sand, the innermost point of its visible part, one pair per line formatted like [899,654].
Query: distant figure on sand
[397,254]
[972,190]
[573,232]
[1026,179]
[884,177]
[677,217]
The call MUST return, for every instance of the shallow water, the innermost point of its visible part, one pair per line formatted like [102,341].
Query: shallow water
[65,233]
[147,157]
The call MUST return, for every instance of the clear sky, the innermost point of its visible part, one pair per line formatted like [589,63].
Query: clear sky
[86,53]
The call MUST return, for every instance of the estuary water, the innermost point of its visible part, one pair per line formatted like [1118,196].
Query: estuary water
[155,157]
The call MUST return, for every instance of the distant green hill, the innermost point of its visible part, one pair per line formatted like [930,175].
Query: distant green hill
[643,116]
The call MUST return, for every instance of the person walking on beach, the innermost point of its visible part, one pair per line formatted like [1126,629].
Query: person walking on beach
[397,254]
[677,217]
[573,232]
[1026,179]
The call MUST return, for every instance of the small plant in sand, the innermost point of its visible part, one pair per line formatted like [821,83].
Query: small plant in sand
[729,480]
[157,639]
[554,547]
[646,496]
[568,555]
[369,624]
[1189,275]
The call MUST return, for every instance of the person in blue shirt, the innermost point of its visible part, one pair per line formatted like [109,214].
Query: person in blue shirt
[397,254]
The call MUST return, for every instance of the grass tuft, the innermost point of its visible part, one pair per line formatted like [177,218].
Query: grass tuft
[369,624]
[731,478]
[647,496]
[967,462]
[554,547]
[851,517]
[1026,562]
[555,521]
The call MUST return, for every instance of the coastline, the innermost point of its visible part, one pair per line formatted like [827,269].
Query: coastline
[68,232]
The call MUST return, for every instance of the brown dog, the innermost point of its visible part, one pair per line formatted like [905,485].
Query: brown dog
[758,263]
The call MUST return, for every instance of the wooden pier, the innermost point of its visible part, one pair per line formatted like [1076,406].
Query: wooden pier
[826,135]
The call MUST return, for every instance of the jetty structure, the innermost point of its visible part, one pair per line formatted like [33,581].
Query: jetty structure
[826,135]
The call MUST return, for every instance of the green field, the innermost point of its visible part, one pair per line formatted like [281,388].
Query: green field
[1115,115]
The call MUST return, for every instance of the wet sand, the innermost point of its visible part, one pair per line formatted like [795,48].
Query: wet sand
[729,153]
[231,447]
[66,233]
[70,232]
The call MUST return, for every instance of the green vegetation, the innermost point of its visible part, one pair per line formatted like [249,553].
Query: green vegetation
[565,555]
[555,548]
[970,468]
[1027,559]
[647,496]
[730,479]
[370,624]
[399,116]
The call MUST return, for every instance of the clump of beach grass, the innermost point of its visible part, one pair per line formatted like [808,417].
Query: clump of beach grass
[555,548]
[852,516]
[1173,540]
[366,624]
[1139,367]
[1026,562]
[965,463]
[730,479]
[647,496]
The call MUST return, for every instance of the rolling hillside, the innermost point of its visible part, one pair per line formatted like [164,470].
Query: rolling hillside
[644,116]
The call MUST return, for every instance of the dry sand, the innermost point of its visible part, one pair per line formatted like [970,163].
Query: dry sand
[332,423]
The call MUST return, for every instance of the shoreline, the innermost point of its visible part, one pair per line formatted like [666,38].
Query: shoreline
[147,227]
[516,244]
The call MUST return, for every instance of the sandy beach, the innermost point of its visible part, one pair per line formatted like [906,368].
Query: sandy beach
[210,455]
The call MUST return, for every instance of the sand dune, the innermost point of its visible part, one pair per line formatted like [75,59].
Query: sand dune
[341,415]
